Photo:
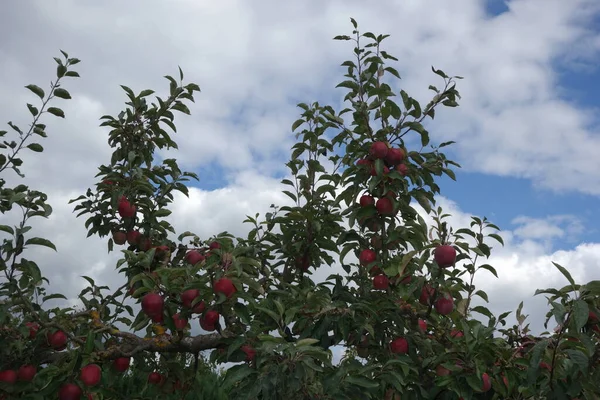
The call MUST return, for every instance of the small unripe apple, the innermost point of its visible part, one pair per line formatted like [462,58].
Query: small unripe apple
[121,364]
[152,304]
[26,373]
[225,286]
[70,391]
[366,200]
[90,375]
[384,206]
[194,257]
[367,256]
[119,237]
[381,282]
[379,150]
[444,256]
[399,346]
[444,305]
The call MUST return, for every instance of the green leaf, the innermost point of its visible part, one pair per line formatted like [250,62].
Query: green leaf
[54,296]
[578,358]
[483,295]
[362,381]
[33,110]
[37,90]
[40,242]
[7,229]
[566,273]
[489,268]
[580,312]
[236,374]
[62,93]
[56,111]
[497,237]
[296,124]
[35,147]
[163,212]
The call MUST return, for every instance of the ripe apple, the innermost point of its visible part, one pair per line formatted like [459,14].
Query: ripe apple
[133,236]
[250,352]
[225,286]
[303,262]
[366,200]
[394,156]
[144,243]
[381,282]
[426,293]
[379,150]
[402,169]
[455,333]
[155,378]
[422,325]
[188,297]
[152,304]
[179,322]
[33,328]
[592,318]
[121,364]
[440,370]
[57,340]
[209,320]
[386,170]
[8,376]
[26,372]
[385,206]
[487,383]
[367,256]
[545,365]
[444,305]
[70,391]
[505,380]
[364,162]
[214,245]
[126,209]
[444,256]
[194,257]
[399,346]
[158,318]
[406,280]
[119,237]
[90,375]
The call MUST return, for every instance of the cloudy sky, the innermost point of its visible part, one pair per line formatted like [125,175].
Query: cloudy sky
[527,130]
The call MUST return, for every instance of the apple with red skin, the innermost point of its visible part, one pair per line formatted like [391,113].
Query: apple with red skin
[119,237]
[406,280]
[592,318]
[133,236]
[125,208]
[158,318]
[444,256]
[194,257]
[33,328]
[225,286]
[152,304]
[440,370]
[8,376]
[505,380]
[26,372]
[209,320]
[90,375]
[381,282]
[367,256]
[179,322]
[394,156]
[121,364]
[399,346]
[250,352]
[57,340]
[144,243]
[364,162]
[155,378]
[455,333]
[402,169]
[214,245]
[444,305]
[303,262]
[70,391]
[422,325]
[366,200]
[378,150]
[188,296]
[385,206]
[386,170]
[426,293]
[546,366]
[487,383]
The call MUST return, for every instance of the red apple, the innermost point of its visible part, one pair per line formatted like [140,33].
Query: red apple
[422,325]
[8,376]
[386,171]
[487,383]
[152,304]
[394,156]
[545,365]
[126,209]
[366,200]
[70,391]
[194,257]
[209,320]
[33,328]
[455,333]
[592,318]
[381,282]
[158,318]
[119,237]
[406,280]
[385,206]
[57,340]
[444,256]
[367,256]
[26,372]
[379,150]
[402,169]
[364,162]
[121,364]
[214,245]
[90,375]
[426,293]
[225,286]
[180,323]
[188,297]
[505,380]
[399,346]
[250,352]
[133,237]
[144,243]
[444,305]
[303,262]
[440,370]
[155,378]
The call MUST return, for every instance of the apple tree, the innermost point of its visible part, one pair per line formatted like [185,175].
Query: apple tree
[227,317]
